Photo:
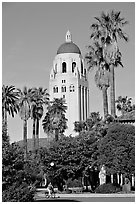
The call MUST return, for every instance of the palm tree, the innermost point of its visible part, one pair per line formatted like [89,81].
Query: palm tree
[40,97]
[24,111]
[107,30]
[9,102]
[95,59]
[103,82]
[55,117]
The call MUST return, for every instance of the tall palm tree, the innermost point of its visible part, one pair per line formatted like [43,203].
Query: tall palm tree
[109,28]
[102,79]
[55,118]
[24,112]
[40,97]
[95,59]
[9,102]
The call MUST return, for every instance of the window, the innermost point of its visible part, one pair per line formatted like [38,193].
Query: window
[55,68]
[64,67]
[81,67]
[85,72]
[72,88]
[55,89]
[73,66]
[63,88]
[63,81]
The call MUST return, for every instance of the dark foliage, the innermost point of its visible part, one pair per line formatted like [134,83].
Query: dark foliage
[117,149]
[71,155]
[16,179]
[107,188]
[74,183]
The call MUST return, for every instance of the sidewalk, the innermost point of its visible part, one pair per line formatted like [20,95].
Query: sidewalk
[88,197]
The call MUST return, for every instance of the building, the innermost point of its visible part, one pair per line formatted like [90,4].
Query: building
[68,80]
[127,118]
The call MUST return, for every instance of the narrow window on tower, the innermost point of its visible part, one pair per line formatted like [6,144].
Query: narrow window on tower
[63,88]
[64,67]
[55,89]
[55,68]
[81,67]
[85,72]
[72,88]
[73,66]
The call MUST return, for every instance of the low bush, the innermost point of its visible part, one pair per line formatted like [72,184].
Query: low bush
[108,188]
[73,183]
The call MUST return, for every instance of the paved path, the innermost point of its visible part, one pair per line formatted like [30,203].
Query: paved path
[86,197]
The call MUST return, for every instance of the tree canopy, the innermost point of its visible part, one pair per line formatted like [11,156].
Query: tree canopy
[117,149]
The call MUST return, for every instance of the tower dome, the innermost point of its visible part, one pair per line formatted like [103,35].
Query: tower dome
[68,46]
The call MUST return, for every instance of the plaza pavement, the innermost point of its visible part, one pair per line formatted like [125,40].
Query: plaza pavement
[86,197]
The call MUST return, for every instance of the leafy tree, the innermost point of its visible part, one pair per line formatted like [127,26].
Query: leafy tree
[71,155]
[124,104]
[9,102]
[79,126]
[15,183]
[117,149]
[24,111]
[87,125]
[93,119]
[38,99]
[107,30]
[55,117]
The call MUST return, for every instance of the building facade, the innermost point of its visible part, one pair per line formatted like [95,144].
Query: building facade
[68,80]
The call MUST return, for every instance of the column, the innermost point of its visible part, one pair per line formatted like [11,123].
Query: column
[111,178]
[86,108]
[118,178]
[121,178]
[83,103]
[88,100]
[133,180]
[80,103]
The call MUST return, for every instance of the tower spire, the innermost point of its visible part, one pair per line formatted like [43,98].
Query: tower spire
[68,36]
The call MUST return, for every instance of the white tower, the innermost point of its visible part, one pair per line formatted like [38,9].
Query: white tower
[68,80]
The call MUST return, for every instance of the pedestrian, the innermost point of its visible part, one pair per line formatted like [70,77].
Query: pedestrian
[45,180]
[50,190]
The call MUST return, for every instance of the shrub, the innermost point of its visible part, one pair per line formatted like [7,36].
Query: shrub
[73,183]
[22,193]
[107,188]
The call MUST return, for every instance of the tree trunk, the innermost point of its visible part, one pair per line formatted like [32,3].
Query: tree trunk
[37,134]
[33,136]
[112,90]
[4,116]
[56,134]
[105,101]
[25,139]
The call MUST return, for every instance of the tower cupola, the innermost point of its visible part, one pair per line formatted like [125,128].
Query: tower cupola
[68,37]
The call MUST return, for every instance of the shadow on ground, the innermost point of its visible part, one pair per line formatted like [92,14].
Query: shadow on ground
[57,200]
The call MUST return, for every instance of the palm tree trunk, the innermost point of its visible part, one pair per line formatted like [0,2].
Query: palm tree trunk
[33,136]
[105,101]
[25,139]
[4,117]
[112,90]
[37,134]
[56,134]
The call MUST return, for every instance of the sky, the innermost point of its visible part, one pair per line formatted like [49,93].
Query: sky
[32,33]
